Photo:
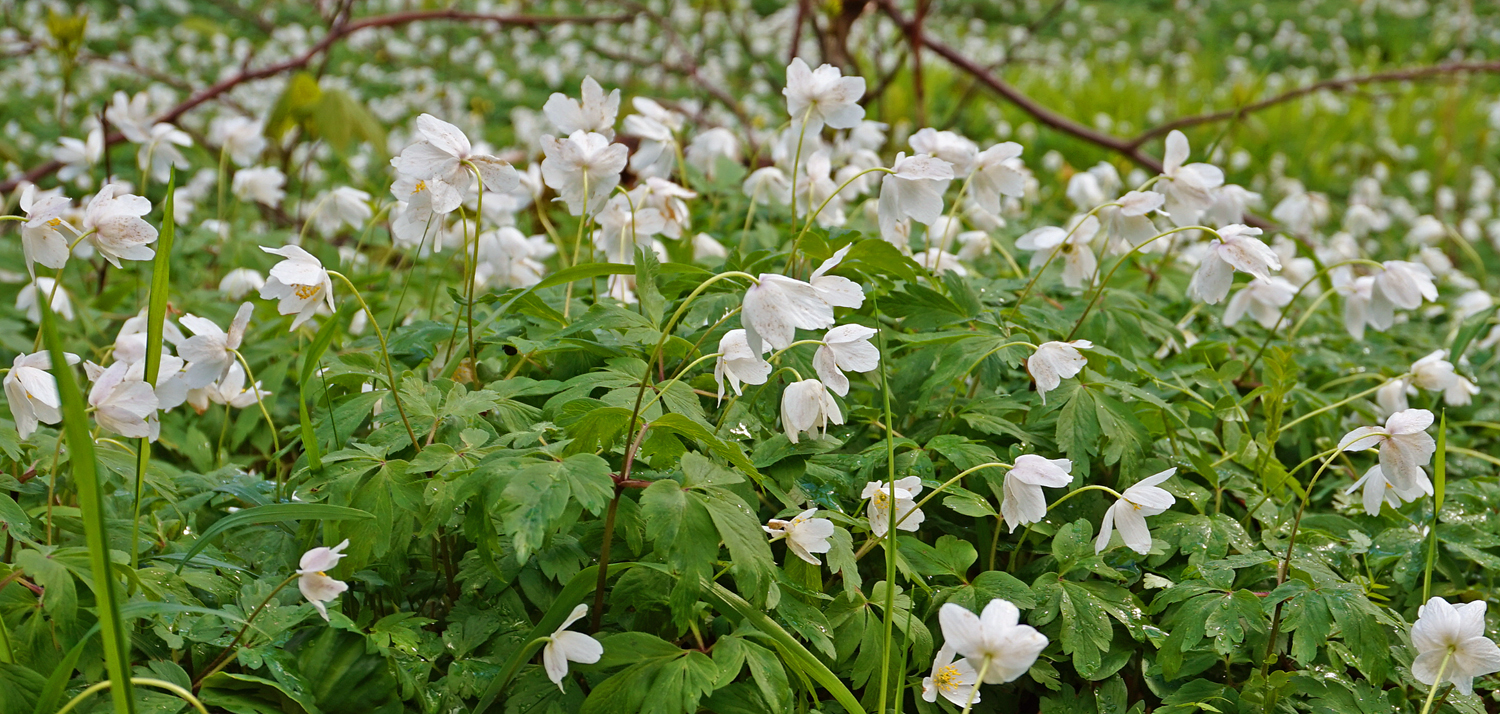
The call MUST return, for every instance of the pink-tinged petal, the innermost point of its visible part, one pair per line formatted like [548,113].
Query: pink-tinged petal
[1410,421]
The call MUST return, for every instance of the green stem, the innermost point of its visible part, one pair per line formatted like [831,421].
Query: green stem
[222,660]
[797,161]
[791,255]
[984,667]
[1011,314]
[160,684]
[386,353]
[1286,563]
[890,533]
[1099,292]
[1438,682]
[870,544]
[1011,567]
[583,221]
[1337,404]
[1288,308]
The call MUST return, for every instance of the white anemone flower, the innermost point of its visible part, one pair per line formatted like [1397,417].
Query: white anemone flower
[29,299]
[913,190]
[313,579]
[707,148]
[78,157]
[582,168]
[1434,372]
[231,390]
[823,96]
[1451,646]
[1189,188]
[846,347]
[768,184]
[240,282]
[299,283]
[1128,514]
[1405,446]
[210,351]
[806,406]
[243,139]
[996,174]
[1235,248]
[1401,285]
[124,406]
[1460,393]
[42,240]
[738,363]
[1072,246]
[161,152]
[119,231]
[1024,501]
[437,159]
[1055,361]
[835,290]
[952,147]
[1378,489]
[804,534]
[32,391]
[954,679]
[510,259]
[564,647]
[776,306]
[883,510]
[260,184]
[596,113]
[1004,648]
[1263,298]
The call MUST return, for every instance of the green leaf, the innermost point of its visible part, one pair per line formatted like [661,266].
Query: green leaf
[272,513]
[646,272]
[677,423]
[750,557]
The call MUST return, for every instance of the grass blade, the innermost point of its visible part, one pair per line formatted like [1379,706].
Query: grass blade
[273,513]
[91,507]
[1439,485]
[310,361]
[156,317]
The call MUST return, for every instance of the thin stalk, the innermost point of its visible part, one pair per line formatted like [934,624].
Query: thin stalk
[1027,531]
[1286,563]
[222,660]
[870,544]
[474,268]
[1099,291]
[797,161]
[147,681]
[984,667]
[952,213]
[1011,314]
[386,353]
[1288,308]
[1438,681]
[583,221]
[890,533]
[1336,404]
[255,389]
[791,255]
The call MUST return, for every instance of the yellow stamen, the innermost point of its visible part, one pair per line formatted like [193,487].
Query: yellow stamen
[307,291]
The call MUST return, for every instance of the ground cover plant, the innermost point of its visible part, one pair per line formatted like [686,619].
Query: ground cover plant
[736,357]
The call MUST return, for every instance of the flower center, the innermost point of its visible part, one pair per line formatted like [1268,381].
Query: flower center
[307,291]
[55,222]
[420,187]
[947,679]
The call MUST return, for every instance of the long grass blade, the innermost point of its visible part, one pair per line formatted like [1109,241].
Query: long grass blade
[156,317]
[1439,486]
[272,513]
[91,508]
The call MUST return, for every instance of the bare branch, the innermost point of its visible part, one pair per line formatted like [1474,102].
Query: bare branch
[1400,75]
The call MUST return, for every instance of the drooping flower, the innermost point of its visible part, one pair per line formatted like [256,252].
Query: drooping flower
[511,260]
[835,290]
[343,206]
[78,157]
[313,579]
[32,391]
[952,147]
[996,174]
[903,510]
[1433,372]
[938,261]
[1263,298]
[1378,489]
[42,240]
[738,363]
[1460,393]
[707,148]
[914,190]
[299,282]
[775,307]
[596,113]
[231,390]
[655,126]
[1024,501]
[30,297]
[1235,248]
[1055,361]
[119,231]
[806,406]
[1405,446]
[1079,262]
[1189,188]
[124,406]
[241,138]
[210,351]
[160,152]
[768,184]
[240,282]
[437,160]
[846,347]
[1128,515]
[804,534]
[1004,648]
[260,184]
[823,96]
[564,647]
[582,161]
[955,680]
[1401,285]
[1455,636]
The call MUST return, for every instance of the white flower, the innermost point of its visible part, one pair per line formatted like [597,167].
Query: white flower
[437,161]
[413,218]
[668,199]
[595,114]
[32,391]
[654,126]
[231,389]
[1405,446]
[131,115]
[775,307]
[1128,515]
[1380,490]
[124,406]
[1189,188]
[708,147]
[42,241]
[160,153]
[903,511]
[939,261]
[1084,191]
[343,206]
[243,139]
[954,680]
[804,534]
[1460,393]
[708,250]
[996,174]
[1357,294]
[582,160]
[1391,396]
[313,579]
[806,406]
[972,245]
[1004,648]
[299,282]
[1024,501]
[1301,211]
[949,146]
[846,347]
[1236,248]
[1079,262]
[1433,372]
[27,299]
[240,282]
[835,290]
[209,352]
[115,216]
[1230,204]
[1263,298]
[1401,285]
[823,96]
[564,647]
[914,190]
[1055,361]
[1129,225]
[510,259]
[738,363]
[261,184]
[79,157]
[768,184]
[1455,635]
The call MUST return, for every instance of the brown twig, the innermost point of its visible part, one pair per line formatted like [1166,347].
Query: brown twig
[334,35]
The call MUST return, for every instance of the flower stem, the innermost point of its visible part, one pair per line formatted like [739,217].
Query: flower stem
[222,660]
[890,533]
[583,220]
[870,544]
[1011,314]
[386,353]
[1288,308]
[1437,682]
[184,694]
[1099,292]
[984,668]
[791,255]
[1335,405]
[797,161]
[1286,562]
